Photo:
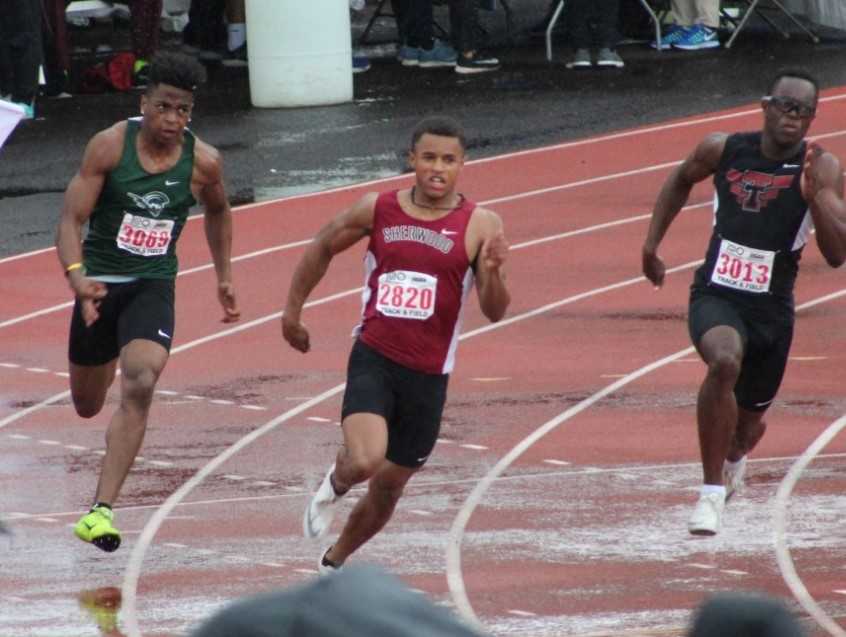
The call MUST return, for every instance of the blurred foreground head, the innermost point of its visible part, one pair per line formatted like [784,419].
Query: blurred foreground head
[744,615]
[357,601]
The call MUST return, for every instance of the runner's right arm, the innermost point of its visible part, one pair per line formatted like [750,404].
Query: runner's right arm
[101,155]
[699,165]
[342,232]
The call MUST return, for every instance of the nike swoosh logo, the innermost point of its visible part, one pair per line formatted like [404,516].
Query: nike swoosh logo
[163,335]
[445,231]
[170,183]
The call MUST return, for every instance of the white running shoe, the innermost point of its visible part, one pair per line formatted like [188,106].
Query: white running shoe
[733,477]
[707,516]
[321,509]
[325,567]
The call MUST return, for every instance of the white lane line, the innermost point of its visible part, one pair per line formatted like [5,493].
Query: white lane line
[133,572]
[160,463]
[474,447]
[37,370]
[601,226]
[221,401]
[684,123]
[136,558]
[785,561]
[254,407]
[455,579]
[559,463]
[176,350]
[521,613]
[576,473]
[318,419]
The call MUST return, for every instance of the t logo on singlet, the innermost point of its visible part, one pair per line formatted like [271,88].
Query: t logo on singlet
[754,190]
[153,202]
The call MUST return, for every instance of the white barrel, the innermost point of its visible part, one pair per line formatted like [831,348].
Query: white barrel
[299,52]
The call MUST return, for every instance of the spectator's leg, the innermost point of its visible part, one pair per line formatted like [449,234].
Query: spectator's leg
[21,20]
[464,25]
[684,12]
[146,25]
[56,53]
[418,16]
[236,24]
[606,15]
[708,13]
[581,13]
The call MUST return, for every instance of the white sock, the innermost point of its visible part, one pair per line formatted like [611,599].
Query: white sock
[732,466]
[236,35]
[707,489]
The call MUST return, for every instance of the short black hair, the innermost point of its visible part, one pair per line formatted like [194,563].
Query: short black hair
[795,72]
[439,125]
[175,69]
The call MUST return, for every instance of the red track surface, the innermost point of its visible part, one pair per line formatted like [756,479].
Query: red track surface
[579,531]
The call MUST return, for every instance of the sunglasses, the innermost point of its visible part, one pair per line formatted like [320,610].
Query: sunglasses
[789,105]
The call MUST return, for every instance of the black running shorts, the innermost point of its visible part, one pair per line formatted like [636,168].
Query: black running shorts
[766,333]
[411,402]
[140,309]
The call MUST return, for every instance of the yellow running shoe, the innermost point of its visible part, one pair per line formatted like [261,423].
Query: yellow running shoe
[96,527]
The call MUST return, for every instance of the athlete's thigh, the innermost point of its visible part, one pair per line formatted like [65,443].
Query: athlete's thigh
[414,431]
[148,315]
[368,403]
[706,313]
[764,365]
[96,344]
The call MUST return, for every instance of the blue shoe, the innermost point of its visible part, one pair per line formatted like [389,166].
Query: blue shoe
[669,37]
[360,64]
[441,54]
[698,37]
[409,55]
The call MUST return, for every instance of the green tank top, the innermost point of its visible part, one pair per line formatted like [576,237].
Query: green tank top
[139,215]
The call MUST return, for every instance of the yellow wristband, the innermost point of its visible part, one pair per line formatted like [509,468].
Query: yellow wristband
[72,267]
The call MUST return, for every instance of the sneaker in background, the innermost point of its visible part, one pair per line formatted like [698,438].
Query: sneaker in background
[609,58]
[409,55]
[321,509]
[580,60]
[360,63]
[672,34]
[96,527]
[707,515]
[478,63]
[698,37]
[441,54]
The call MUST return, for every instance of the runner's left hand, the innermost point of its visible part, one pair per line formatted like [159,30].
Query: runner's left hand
[494,252]
[226,296]
[810,172]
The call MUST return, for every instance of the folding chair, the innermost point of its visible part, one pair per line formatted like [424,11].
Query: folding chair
[554,20]
[754,6]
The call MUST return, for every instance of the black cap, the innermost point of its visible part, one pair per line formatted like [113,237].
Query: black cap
[358,600]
